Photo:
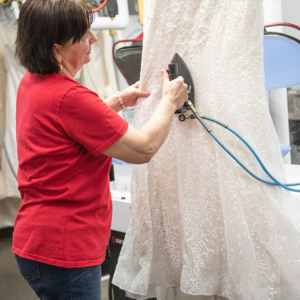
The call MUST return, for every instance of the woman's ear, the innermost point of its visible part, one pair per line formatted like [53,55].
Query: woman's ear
[56,52]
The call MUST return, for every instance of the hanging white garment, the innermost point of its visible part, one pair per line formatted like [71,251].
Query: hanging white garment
[13,77]
[199,222]
[9,194]
[99,75]
[7,35]
[8,206]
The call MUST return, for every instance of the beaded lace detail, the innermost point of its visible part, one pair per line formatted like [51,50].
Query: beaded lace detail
[199,222]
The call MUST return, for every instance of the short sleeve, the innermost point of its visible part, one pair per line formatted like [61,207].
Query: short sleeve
[87,120]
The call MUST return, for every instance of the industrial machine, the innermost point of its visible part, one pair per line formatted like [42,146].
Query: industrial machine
[120,191]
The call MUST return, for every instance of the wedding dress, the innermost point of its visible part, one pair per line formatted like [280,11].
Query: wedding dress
[200,224]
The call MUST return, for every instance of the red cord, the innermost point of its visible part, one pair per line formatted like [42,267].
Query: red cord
[283,24]
[100,7]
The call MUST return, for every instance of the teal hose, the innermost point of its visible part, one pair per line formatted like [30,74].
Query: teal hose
[251,149]
[275,182]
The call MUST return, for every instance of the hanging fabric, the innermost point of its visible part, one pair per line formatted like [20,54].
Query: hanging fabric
[199,223]
[9,195]
[99,75]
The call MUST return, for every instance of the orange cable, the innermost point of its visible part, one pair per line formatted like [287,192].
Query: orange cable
[100,7]
[283,24]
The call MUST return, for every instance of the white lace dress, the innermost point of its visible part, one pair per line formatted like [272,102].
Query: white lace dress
[199,222]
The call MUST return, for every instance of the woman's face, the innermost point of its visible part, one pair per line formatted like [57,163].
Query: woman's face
[74,56]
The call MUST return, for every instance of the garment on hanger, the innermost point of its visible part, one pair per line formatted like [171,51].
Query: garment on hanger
[13,77]
[99,75]
[8,186]
[7,15]
[9,194]
[7,35]
[200,223]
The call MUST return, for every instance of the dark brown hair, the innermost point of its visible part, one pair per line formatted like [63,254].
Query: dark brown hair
[43,23]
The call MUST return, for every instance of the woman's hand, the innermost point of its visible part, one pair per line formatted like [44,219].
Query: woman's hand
[175,90]
[139,146]
[130,95]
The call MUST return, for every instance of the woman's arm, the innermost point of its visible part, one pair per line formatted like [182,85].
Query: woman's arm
[113,102]
[139,146]
[128,96]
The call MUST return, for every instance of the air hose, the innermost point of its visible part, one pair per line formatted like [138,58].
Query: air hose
[5,150]
[275,182]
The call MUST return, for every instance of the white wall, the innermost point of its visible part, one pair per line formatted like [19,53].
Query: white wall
[273,11]
[283,11]
[291,14]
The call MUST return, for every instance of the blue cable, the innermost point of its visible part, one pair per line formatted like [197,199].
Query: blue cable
[251,149]
[275,181]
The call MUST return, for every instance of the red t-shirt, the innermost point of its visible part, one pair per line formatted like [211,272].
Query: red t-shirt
[62,130]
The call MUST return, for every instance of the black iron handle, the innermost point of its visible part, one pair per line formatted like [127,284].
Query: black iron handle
[173,74]
[173,71]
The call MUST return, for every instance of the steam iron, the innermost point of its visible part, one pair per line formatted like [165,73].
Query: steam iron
[128,60]
[177,68]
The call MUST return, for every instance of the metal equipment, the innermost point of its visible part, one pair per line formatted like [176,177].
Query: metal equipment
[118,15]
[121,199]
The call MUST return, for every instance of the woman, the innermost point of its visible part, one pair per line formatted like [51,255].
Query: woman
[66,137]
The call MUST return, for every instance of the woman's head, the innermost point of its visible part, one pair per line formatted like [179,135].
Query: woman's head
[51,32]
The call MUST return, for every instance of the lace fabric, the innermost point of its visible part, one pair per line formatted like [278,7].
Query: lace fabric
[199,222]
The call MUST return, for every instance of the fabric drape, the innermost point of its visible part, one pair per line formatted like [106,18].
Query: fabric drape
[199,222]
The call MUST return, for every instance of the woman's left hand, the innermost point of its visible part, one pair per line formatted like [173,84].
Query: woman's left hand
[130,95]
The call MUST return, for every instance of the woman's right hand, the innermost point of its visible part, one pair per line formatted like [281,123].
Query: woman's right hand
[175,90]
[139,146]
